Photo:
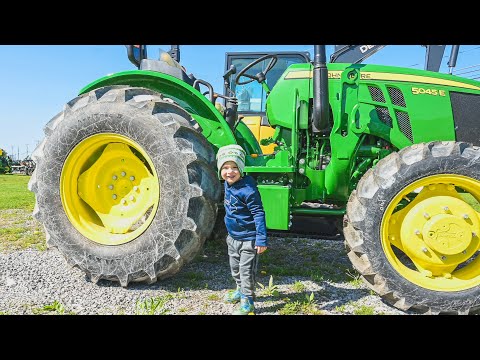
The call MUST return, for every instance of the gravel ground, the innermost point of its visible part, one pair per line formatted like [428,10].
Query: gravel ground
[41,282]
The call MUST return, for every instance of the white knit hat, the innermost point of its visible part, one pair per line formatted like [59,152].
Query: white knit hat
[231,153]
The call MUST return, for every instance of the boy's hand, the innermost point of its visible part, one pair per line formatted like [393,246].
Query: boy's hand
[260,249]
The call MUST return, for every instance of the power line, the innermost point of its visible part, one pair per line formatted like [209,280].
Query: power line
[470,71]
[468,67]
[475,48]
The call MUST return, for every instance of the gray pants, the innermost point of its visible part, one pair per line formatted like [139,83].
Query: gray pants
[243,259]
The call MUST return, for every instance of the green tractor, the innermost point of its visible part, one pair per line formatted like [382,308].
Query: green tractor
[127,190]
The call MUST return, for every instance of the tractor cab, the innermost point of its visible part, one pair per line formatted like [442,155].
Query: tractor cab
[251,94]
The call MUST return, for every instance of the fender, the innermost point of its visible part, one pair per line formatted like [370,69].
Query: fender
[214,127]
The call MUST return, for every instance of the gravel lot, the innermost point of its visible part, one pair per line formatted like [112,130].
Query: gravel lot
[41,282]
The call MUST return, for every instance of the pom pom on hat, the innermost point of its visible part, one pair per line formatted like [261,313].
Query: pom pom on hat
[231,153]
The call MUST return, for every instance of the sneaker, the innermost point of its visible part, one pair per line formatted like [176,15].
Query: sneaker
[246,306]
[233,296]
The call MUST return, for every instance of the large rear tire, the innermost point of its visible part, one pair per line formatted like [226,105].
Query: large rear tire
[412,228]
[125,185]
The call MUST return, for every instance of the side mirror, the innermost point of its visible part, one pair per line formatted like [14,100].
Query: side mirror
[136,53]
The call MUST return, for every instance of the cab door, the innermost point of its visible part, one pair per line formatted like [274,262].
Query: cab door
[252,97]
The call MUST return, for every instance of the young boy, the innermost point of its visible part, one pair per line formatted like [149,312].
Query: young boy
[245,222]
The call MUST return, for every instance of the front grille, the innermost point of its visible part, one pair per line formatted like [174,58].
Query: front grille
[396,96]
[466,108]
[376,94]
[384,115]
[404,124]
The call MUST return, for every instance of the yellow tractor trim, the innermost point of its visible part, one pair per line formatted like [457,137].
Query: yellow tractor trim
[438,230]
[109,189]
[260,132]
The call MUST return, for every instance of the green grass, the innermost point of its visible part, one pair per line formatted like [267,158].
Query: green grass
[213,297]
[153,305]
[14,193]
[18,230]
[364,310]
[471,201]
[355,281]
[305,306]
[55,308]
[298,286]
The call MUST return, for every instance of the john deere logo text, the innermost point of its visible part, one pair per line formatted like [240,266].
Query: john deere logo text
[365,48]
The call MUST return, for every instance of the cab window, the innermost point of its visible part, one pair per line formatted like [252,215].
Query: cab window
[252,96]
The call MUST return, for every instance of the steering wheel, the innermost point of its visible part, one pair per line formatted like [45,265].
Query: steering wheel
[260,77]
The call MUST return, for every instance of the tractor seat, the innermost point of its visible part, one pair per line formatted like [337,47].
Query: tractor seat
[167,65]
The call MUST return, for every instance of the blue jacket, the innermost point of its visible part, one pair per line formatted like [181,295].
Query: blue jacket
[245,217]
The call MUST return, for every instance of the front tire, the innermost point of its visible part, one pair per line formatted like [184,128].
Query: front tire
[125,186]
[412,228]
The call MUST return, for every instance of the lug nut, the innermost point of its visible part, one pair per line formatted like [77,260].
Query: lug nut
[443,257]
[426,216]
[424,249]
[131,198]
[465,216]
[110,187]
[114,177]
[417,232]
[135,188]
[114,196]
[446,209]
[124,201]
[132,178]
[123,173]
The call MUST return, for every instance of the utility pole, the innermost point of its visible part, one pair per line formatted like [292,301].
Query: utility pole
[18,153]
[27,152]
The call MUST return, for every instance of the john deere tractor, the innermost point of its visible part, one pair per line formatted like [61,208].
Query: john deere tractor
[127,190]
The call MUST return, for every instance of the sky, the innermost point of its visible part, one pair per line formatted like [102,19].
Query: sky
[39,79]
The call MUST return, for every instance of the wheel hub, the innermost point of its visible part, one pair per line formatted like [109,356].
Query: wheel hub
[447,234]
[439,230]
[117,186]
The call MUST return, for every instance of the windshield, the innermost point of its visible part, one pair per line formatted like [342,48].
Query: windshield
[252,96]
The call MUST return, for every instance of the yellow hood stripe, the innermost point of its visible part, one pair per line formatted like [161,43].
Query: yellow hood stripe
[308,74]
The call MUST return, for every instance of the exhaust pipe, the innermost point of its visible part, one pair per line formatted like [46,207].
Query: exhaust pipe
[321,108]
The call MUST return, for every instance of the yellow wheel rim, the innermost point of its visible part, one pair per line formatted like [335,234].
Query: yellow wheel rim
[430,232]
[109,189]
